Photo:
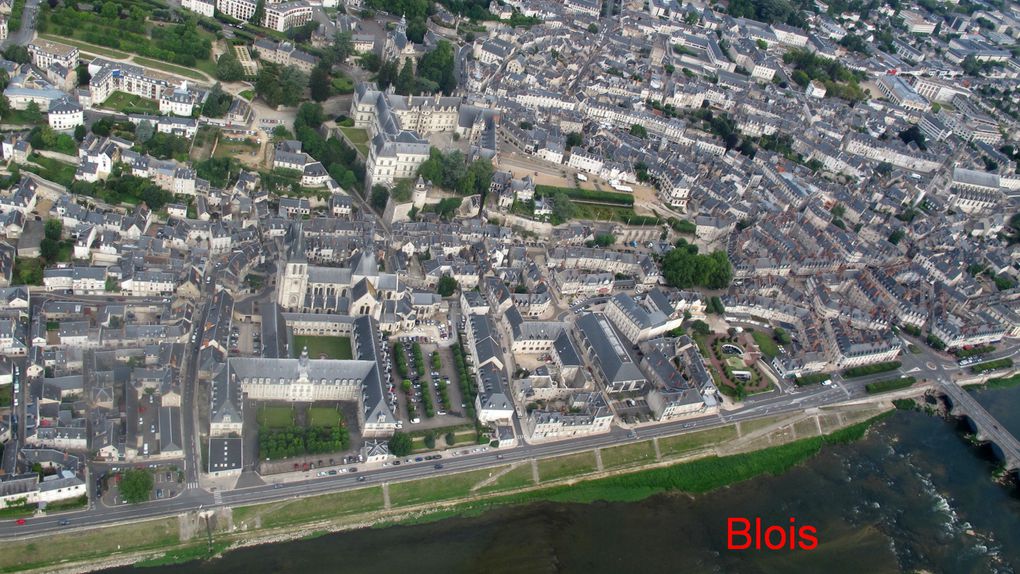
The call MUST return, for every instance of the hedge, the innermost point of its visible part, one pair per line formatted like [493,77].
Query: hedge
[574,193]
[889,385]
[873,369]
[992,365]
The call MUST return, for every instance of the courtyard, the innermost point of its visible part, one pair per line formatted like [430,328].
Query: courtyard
[322,347]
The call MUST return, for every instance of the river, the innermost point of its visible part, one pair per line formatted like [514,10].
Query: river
[913,495]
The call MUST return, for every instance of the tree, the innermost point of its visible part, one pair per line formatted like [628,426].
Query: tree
[341,48]
[574,139]
[54,229]
[380,196]
[405,79]
[144,131]
[319,83]
[84,77]
[292,83]
[782,337]
[80,132]
[684,268]
[32,113]
[430,440]
[604,240]
[593,28]
[638,130]
[451,439]
[259,14]
[699,327]
[17,54]
[402,191]
[229,68]
[447,286]
[437,66]
[136,485]
[217,102]
[387,74]
[281,133]
[400,444]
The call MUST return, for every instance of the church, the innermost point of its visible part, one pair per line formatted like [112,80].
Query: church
[358,289]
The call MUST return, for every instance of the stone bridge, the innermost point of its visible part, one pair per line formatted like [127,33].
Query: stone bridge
[988,429]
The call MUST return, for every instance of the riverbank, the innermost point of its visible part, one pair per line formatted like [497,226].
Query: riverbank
[693,463]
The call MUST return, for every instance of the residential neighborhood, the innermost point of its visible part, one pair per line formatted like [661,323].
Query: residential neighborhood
[250,247]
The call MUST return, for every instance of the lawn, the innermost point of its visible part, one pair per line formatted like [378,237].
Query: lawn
[323,417]
[343,85]
[438,488]
[227,148]
[358,138]
[127,103]
[689,442]
[86,47]
[310,509]
[52,169]
[755,424]
[564,466]
[766,344]
[170,68]
[628,454]
[277,417]
[331,347]
[519,477]
[21,118]
[87,543]
[248,95]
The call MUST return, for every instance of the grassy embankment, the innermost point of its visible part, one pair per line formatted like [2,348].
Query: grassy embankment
[436,498]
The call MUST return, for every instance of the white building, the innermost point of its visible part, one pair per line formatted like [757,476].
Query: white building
[65,115]
[206,8]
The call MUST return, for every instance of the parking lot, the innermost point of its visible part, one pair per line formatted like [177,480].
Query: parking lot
[168,482]
[448,414]
[245,339]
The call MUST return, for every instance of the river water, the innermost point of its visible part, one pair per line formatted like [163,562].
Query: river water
[911,496]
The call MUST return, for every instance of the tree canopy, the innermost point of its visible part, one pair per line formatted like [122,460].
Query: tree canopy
[447,286]
[400,444]
[684,268]
[136,485]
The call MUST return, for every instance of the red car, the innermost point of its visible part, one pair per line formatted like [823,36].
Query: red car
[20,522]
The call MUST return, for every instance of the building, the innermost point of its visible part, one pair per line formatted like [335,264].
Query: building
[361,379]
[206,8]
[179,101]
[899,91]
[816,89]
[643,319]
[615,365]
[278,16]
[286,15]
[65,115]
[45,53]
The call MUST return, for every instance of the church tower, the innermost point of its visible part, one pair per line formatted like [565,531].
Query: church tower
[294,282]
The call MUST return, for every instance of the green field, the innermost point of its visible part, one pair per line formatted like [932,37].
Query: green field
[438,488]
[685,443]
[127,103]
[358,138]
[276,417]
[309,509]
[564,466]
[768,347]
[628,454]
[331,347]
[88,543]
[228,148]
[170,68]
[519,477]
[323,417]
[247,94]
[86,47]
[52,169]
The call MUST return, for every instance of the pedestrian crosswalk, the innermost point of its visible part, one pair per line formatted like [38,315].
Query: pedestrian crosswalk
[217,497]
[193,484]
